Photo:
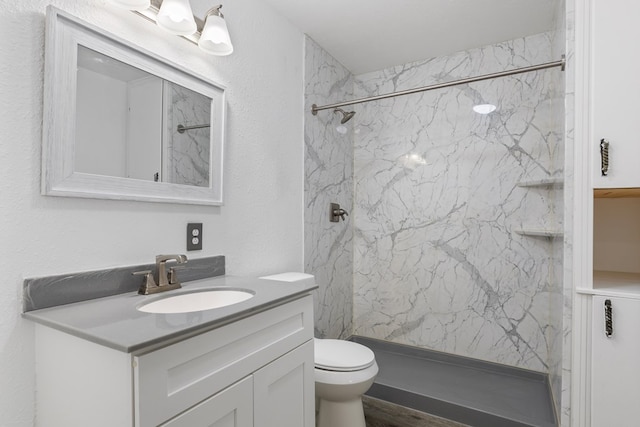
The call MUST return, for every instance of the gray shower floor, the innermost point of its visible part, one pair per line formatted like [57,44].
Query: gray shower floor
[470,391]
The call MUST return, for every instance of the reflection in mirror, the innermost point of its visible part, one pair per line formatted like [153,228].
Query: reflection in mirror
[187,138]
[132,124]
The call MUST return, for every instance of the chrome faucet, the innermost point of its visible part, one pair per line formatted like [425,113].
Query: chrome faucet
[166,281]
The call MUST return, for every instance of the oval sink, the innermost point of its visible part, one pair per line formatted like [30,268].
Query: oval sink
[196,301]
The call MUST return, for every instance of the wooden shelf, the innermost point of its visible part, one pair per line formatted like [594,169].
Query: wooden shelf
[539,232]
[602,193]
[614,282]
[546,182]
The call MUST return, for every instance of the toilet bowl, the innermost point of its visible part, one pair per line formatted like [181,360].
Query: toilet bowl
[343,372]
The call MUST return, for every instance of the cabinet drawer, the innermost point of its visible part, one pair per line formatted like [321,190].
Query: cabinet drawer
[172,379]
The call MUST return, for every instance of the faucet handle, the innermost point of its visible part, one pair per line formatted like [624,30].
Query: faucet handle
[145,273]
[173,277]
[149,282]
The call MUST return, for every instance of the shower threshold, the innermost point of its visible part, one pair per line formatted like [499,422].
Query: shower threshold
[469,391]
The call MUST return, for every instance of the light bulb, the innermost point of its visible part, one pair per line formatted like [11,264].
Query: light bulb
[215,37]
[176,17]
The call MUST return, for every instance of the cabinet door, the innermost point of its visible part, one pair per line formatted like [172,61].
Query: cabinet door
[615,377]
[232,407]
[284,390]
[615,103]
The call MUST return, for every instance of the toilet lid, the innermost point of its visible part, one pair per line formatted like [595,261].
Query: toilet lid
[339,355]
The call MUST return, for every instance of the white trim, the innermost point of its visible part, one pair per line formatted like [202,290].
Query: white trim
[581,364]
[582,222]
[608,293]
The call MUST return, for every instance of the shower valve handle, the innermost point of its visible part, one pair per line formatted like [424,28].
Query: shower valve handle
[337,213]
[341,213]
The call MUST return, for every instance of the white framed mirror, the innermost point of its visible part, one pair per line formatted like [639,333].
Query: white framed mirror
[122,123]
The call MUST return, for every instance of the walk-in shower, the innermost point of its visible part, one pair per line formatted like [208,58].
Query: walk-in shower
[454,241]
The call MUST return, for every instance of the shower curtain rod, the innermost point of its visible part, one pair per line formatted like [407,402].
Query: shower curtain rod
[560,63]
[183,128]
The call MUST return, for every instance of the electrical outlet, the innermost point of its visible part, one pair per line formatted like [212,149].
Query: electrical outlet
[194,236]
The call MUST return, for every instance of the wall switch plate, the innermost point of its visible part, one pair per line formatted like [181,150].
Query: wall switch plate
[194,236]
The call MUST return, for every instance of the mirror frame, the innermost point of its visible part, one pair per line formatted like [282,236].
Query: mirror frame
[64,33]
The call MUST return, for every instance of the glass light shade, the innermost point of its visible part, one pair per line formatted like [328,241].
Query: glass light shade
[176,17]
[132,4]
[215,37]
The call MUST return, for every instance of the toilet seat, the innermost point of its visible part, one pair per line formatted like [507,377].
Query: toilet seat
[341,356]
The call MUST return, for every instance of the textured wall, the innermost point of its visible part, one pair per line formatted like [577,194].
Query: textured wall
[260,226]
[328,165]
[437,263]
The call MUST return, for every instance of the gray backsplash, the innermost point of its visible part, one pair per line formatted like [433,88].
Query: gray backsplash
[51,291]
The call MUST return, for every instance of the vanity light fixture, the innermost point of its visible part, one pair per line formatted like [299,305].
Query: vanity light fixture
[175,16]
[133,4]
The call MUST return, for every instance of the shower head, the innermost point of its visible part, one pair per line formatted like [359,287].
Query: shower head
[346,116]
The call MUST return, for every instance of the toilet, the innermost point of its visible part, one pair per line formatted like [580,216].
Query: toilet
[343,372]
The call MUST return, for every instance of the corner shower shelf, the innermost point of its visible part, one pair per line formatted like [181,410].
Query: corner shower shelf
[539,232]
[546,182]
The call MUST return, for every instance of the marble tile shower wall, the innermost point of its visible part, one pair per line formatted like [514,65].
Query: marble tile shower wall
[437,263]
[328,166]
[566,45]
[187,153]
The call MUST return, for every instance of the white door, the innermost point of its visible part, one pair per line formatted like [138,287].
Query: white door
[284,390]
[615,103]
[615,377]
[232,407]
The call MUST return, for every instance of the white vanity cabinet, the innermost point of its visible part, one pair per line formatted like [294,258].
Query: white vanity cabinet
[615,377]
[256,371]
[614,106]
